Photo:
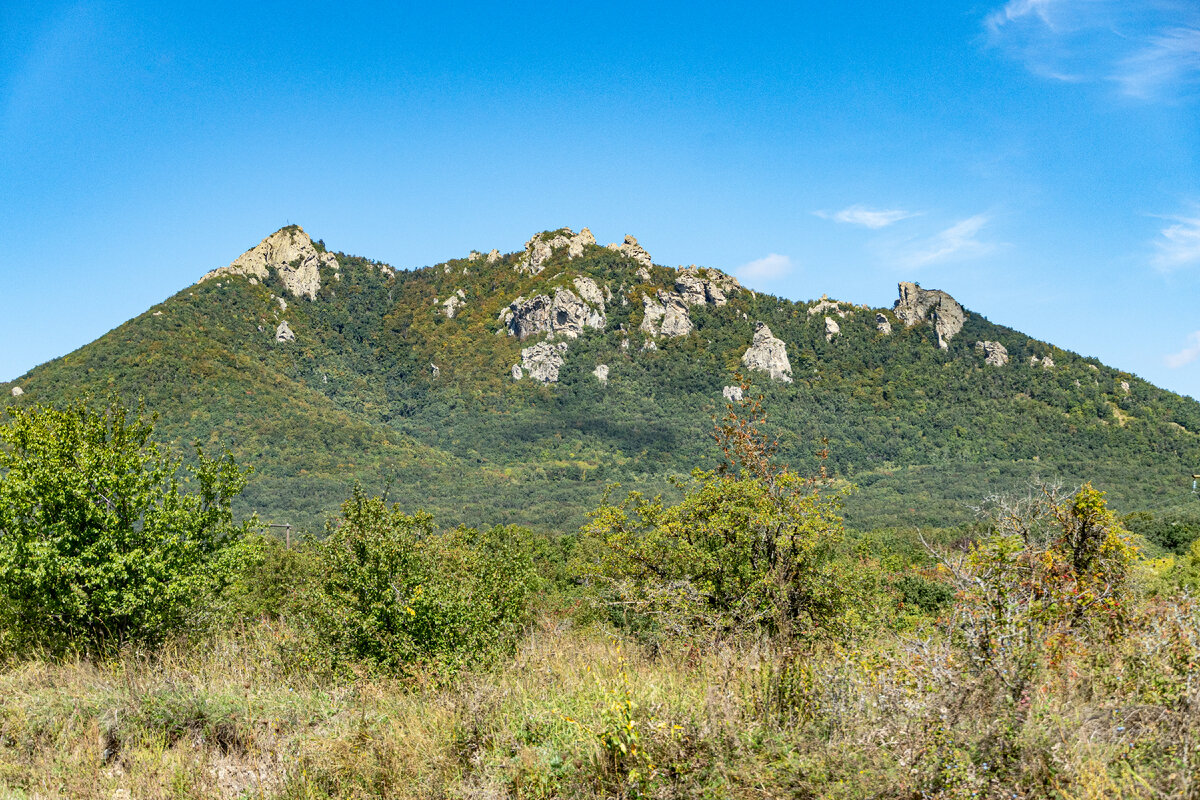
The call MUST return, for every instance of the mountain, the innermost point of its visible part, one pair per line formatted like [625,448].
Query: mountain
[516,387]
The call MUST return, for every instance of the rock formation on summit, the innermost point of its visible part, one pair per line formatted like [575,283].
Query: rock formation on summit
[768,354]
[994,353]
[916,305]
[631,248]
[293,257]
[541,247]
[833,306]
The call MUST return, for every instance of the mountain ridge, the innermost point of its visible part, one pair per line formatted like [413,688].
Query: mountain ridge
[473,386]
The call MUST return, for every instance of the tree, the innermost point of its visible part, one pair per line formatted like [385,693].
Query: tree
[751,546]
[103,537]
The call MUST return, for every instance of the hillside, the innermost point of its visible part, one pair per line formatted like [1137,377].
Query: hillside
[516,387]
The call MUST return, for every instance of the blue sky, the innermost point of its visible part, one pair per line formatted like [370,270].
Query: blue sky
[1038,159]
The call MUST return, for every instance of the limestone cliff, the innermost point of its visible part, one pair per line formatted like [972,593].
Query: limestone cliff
[289,253]
[918,305]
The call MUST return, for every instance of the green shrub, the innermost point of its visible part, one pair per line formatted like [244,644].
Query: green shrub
[100,542]
[397,593]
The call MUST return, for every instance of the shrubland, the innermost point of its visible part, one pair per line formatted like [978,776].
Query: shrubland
[732,640]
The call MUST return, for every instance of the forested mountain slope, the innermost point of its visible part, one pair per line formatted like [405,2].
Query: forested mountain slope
[515,388]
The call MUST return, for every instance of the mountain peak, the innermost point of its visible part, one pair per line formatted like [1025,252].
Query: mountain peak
[291,254]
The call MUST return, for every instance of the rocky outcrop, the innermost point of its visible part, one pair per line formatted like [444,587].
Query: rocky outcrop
[542,361]
[474,255]
[919,305]
[540,248]
[665,315]
[1125,387]
[590,292]
[452,304]
[831,306]
[994,353]
[566,314]
[883,324]
[1047,362]
[601,373]
[283,333]
[631,248]
[733,394]
[17,391]
[697,286]
[290,253]
[768,354]
[831,329]
[493,256]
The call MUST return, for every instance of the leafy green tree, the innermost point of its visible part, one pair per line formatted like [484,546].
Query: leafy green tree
[396,592]
[751,546]
[103,537]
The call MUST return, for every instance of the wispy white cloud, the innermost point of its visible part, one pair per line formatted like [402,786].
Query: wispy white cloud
[1178,244]
[770,267]
[1187,355]
[959,242]
[1169,59]
[869,217]
[1148,49]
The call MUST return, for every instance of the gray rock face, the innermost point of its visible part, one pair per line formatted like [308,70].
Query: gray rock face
[994,353]
[17,391]
[883,325]
[768,354]
[589,291]
[291,254]
[566,314]
[665,316]
[825,305]
[493,256]
[831,329]
[542,361]
[1047,362]
[1125,387]
[283,333]
[540,248]
[631,248]
[918,305]
[601,373]
[452,304]
[698,286]
[474,255]
[733,394]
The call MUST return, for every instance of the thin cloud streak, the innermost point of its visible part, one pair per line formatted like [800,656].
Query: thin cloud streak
[768,268]
[868,217]
[1149,50]
[1187,355]
[958,242]
[1177,245]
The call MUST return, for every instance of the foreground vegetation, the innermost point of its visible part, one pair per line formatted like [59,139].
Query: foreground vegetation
[735,643]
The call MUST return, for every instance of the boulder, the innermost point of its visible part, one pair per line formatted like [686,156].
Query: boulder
[601,373]
[919,305]
[883,325]
[290,253]
[768,354]
[283,333]
[632,249]
[542,361]
[994,353]
[831,329]
[17,391]
[733,394]
[451,305]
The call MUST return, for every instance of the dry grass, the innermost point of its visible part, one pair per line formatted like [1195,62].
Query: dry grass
[894,719]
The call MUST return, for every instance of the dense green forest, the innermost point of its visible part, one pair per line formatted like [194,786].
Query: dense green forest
[355,398]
